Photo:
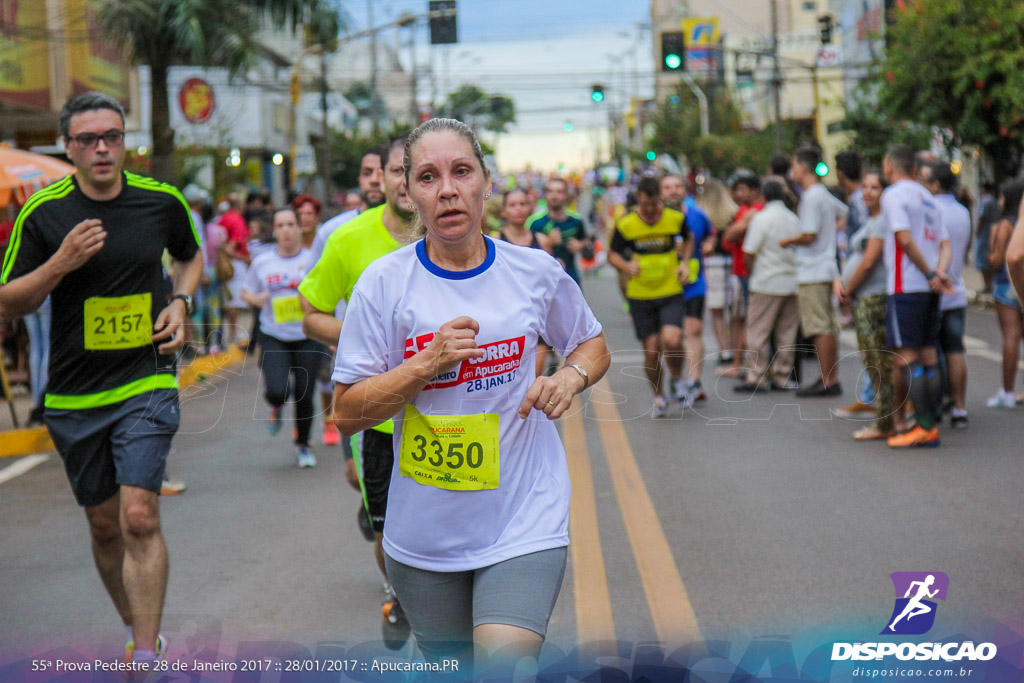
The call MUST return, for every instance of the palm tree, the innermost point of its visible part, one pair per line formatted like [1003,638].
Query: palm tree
[165,33]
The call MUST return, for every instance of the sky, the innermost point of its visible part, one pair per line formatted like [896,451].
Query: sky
[545,55]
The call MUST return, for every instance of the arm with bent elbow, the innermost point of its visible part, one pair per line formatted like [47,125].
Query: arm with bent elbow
[872,255]
[907,245]
[25,294]
[319,325]
[369,402]
[804,240]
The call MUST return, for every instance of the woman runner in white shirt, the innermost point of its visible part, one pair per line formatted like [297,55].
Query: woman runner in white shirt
[271,284]
[441,336]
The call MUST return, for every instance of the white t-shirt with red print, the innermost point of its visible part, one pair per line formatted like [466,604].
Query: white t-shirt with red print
[473,484]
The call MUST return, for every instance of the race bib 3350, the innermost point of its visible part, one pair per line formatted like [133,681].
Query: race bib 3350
[454,452]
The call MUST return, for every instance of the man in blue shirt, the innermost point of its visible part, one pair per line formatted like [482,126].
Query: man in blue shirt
[565,229]
[674,195]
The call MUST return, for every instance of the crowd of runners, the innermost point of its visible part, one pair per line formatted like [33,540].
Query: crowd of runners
[438,284]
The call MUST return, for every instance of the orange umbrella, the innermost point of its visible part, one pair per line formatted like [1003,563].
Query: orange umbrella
[22,173]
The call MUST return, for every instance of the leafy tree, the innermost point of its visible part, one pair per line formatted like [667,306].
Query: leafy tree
[477,109]
[677,119]
[874,131]
[959,65]
[347,154]
[361,96]
[164,33]
[729,146]
[369,105]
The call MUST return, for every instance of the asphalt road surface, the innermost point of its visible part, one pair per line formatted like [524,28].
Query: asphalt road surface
[743,519]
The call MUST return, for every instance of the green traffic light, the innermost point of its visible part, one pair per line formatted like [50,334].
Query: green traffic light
[567,126]
[673,61]
[821,170]
[651,156]
[597,96]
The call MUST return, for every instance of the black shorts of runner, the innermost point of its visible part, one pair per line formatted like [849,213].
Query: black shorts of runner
[951,330]
[124,444]
[695,307]
[650,315]
[912,320]
[376,457]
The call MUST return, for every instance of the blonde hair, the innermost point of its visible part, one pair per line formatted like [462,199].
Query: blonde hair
[717,203]
[417,229]
[436,125]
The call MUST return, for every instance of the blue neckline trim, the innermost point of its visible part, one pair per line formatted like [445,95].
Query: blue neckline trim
[421,253]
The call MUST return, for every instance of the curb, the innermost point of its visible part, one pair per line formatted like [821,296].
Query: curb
[18,442]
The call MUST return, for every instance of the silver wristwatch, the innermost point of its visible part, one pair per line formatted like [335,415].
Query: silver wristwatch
[583,373]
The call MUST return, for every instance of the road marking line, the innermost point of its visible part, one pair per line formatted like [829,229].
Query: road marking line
[20,442]
[16,469]
[667,599]
[974,343]
[593,603]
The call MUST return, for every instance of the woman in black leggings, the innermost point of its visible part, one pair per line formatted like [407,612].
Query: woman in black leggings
[272,284]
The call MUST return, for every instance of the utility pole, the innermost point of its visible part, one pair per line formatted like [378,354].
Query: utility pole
[325,154]
[374,106]
[414,109]
[776,77]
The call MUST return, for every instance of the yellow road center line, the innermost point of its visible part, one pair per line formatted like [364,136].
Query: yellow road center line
[669,603]
[20,442]
[590,581]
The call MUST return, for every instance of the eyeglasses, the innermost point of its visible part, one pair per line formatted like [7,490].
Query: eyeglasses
[111,138]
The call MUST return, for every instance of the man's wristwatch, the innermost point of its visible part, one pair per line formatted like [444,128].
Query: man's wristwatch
[189,310]
[931,276]
[583,373]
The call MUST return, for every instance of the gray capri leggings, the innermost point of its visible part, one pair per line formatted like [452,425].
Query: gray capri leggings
[444,607]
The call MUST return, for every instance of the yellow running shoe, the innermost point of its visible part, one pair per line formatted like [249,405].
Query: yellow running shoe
[161,649]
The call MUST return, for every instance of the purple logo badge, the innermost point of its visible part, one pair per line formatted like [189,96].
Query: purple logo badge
[916,593]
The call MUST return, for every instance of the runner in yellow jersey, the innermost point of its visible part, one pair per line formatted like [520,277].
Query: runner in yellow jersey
[647,245]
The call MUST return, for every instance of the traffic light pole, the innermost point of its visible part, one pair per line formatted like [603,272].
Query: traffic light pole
[295,88]
[295,91]
[702,102]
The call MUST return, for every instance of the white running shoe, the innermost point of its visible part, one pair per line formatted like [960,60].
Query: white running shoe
[304,457]
[1002,399]
[689,395]
[661,407]
[682,391]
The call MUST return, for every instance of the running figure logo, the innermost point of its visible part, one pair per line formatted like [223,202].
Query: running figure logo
[914,612]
